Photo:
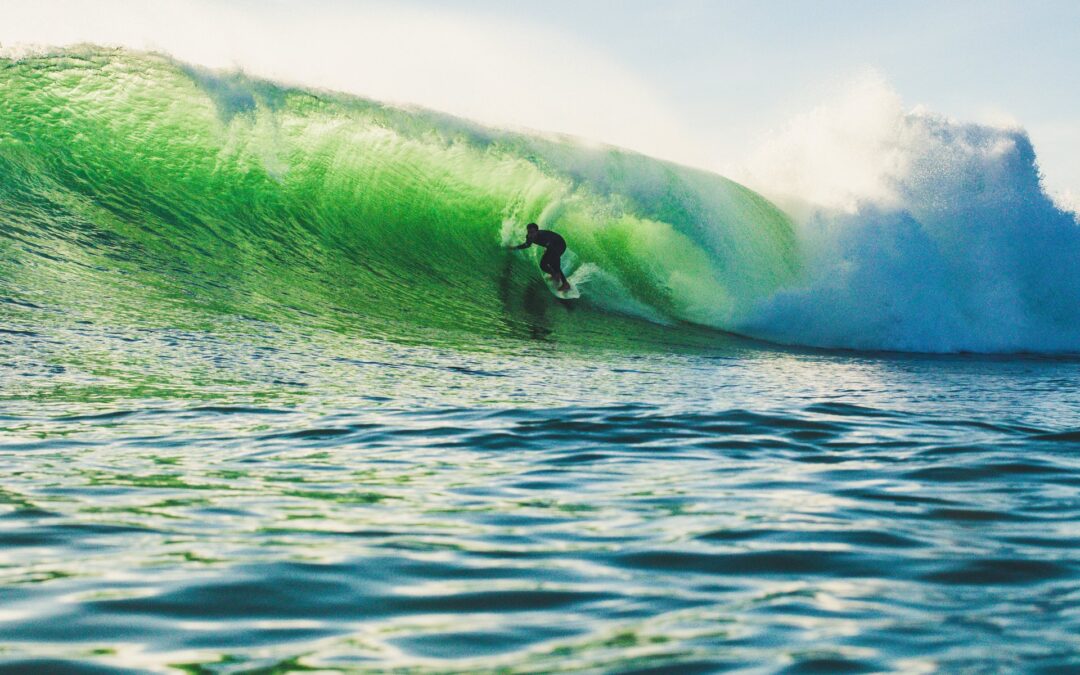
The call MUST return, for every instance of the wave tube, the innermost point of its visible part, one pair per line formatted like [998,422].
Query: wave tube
[137,175]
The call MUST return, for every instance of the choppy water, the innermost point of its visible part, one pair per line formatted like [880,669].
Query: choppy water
[286,501]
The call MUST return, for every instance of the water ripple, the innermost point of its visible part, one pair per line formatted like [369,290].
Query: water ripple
[354,534]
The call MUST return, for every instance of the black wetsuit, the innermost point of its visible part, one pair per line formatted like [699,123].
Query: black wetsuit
[555,246]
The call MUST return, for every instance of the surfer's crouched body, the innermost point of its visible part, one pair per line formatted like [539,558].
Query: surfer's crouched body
[555,246]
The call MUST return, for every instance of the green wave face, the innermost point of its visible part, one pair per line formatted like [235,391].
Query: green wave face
[138,187]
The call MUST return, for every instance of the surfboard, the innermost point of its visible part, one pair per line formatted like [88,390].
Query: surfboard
[579,277]
[571,294]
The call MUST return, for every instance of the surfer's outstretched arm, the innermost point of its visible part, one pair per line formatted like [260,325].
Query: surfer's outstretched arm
[528,240]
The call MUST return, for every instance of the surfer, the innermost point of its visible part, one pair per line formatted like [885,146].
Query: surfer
[555,246]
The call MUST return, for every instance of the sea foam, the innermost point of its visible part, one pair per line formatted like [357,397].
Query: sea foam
[917,233]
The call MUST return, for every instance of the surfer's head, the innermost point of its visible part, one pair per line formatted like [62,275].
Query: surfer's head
[532,227]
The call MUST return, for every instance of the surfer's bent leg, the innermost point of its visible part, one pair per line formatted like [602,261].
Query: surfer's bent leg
[550,263]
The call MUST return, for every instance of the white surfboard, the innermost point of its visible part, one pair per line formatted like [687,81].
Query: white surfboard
[571,294]
[580,276]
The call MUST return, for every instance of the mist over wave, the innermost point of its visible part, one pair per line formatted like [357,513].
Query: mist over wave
[918,233]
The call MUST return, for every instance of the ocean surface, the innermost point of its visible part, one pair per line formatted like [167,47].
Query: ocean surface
[274,398]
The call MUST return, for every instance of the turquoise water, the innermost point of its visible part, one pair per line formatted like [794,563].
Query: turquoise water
[273,399]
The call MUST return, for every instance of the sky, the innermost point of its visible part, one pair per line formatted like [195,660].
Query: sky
[703,82]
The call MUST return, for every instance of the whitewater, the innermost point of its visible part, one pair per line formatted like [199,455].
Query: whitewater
[276,397]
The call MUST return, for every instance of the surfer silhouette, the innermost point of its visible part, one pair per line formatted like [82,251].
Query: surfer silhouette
[555,246]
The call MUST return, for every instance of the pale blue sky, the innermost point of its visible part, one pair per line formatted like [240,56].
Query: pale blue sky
[695,80]
[735,66]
